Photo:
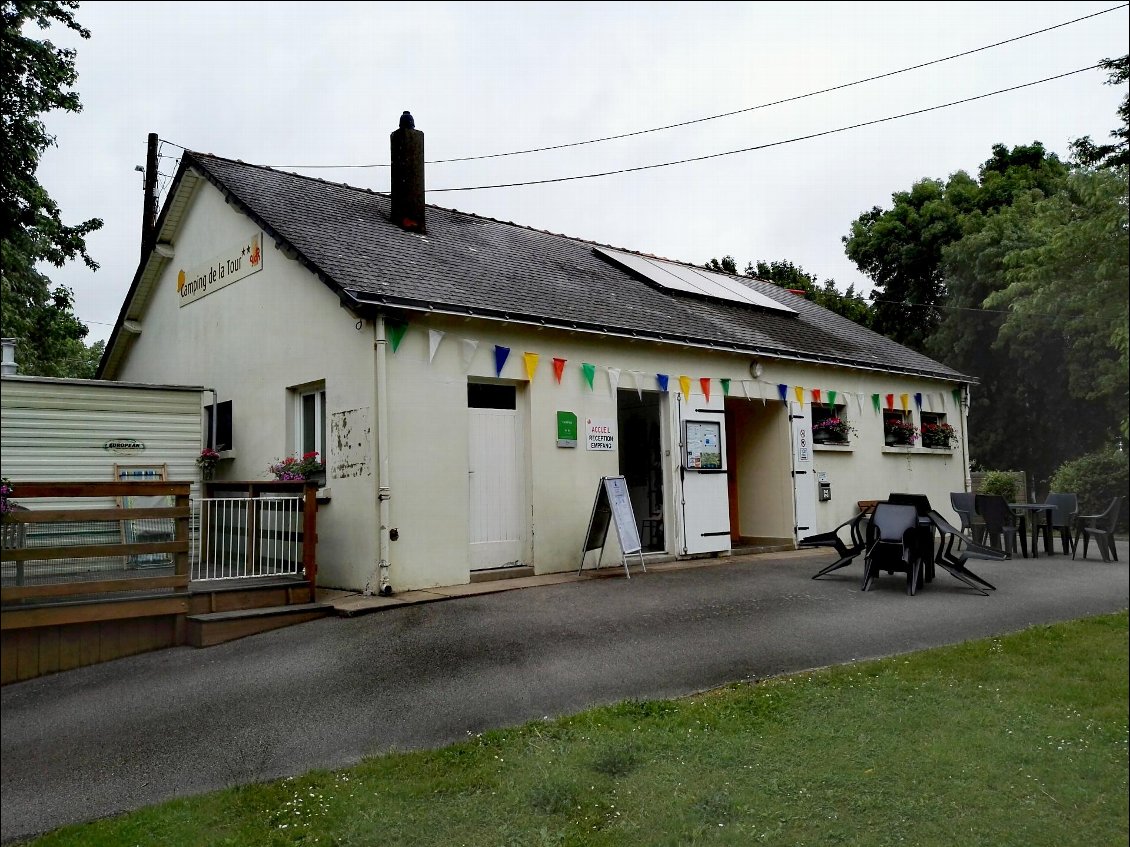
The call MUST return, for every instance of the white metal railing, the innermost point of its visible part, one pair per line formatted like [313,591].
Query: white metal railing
[242,537]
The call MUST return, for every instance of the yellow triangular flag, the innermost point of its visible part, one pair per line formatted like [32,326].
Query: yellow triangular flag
[905,400]
[531,362]
[799,392]
[685,387]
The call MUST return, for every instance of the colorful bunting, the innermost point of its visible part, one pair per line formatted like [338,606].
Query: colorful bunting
[500,354]
[704,381]
[783,390]
[558,369]
[891,401]
[589,371]
[530,360]
[725,386]
[815,395]
[832,398]
[918,400]
[904,400]
[799,392]
[662,380]
[875,402]
[395,333]
[470,345]
[685,387]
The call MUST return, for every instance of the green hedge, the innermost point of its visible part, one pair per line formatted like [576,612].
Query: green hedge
[1096,479]
[1003,483]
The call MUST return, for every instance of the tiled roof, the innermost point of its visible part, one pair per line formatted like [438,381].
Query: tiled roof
[467,263]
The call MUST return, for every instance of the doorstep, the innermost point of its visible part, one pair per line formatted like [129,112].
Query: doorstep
[353,603]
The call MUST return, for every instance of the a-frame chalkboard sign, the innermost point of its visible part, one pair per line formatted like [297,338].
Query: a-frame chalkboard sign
[613,505]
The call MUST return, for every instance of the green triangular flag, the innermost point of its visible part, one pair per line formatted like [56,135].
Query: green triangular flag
[396,334]
[831,398]
[589,372]
[725,387]
[875,403]
[957,398]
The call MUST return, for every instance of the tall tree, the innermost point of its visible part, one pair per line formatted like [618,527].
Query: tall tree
[1114,155]
[36,77]
[901,248]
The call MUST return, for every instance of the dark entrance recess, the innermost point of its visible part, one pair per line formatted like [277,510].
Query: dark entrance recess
[639,437]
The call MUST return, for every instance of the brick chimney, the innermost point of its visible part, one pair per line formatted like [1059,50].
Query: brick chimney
[408,175]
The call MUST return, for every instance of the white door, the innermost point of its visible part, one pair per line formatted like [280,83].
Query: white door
[704,502]
[497,487]
[804,475]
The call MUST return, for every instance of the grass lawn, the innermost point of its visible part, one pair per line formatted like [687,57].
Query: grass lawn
[1018,740]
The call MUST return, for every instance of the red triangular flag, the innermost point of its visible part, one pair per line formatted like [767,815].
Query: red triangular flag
[558,369]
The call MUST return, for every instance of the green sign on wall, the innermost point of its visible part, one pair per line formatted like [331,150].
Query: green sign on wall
[566,429]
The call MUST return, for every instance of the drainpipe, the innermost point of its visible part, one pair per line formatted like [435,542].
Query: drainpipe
[966,395]
[383,492]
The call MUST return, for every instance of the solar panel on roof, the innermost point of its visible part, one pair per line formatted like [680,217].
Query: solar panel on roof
[695,281]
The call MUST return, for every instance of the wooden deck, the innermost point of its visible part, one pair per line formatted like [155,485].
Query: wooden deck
[85,585]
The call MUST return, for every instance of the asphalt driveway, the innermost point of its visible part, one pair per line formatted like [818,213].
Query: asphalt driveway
[113,737]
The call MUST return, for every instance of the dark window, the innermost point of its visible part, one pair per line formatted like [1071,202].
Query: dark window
[482,395]
[223,427]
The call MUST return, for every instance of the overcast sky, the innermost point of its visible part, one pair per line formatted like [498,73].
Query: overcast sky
[288,84]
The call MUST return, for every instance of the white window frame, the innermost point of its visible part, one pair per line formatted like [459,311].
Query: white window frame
[300,395]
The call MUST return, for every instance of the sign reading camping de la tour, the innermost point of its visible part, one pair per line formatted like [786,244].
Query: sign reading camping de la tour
[230,266]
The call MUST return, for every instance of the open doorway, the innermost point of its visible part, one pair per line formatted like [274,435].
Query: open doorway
[640,438]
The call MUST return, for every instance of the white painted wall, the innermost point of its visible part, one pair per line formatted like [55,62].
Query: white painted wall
[251,340]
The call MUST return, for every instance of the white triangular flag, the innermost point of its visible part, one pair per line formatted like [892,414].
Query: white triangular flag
[435,336]
[469,348]
[859,403]
[613,379]
[636,376]
[760,392]
[943,395]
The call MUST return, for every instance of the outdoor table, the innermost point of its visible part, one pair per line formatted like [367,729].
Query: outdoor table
[1035,509]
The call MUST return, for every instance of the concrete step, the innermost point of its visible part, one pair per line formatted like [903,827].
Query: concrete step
[214,628]
[508,572]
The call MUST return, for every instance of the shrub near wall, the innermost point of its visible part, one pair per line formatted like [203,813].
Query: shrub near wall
[1096,479]
[1008,484]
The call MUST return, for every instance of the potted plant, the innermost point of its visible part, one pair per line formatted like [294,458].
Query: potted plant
[207,461]
[293,469]
[899,432]
[832,431]
[939,436]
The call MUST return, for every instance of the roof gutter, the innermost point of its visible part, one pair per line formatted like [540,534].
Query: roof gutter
[371,305]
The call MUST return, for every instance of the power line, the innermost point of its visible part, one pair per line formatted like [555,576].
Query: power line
[769,144]
[741,111]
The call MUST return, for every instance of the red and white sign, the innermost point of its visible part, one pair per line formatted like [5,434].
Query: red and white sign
[600,434]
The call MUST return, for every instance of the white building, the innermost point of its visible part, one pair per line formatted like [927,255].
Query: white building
[436,359]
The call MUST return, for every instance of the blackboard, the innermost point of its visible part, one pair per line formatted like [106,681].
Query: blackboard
[613,506]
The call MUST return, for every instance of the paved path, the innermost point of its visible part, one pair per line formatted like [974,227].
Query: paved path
[117,736]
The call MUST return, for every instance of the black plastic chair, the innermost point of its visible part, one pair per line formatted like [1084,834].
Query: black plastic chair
[953,561]
[847,552]
[893,545]
[921,504]
[1001,524]
[1065,514]
[965,507]
[1101,528]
